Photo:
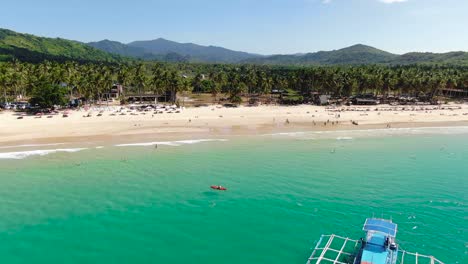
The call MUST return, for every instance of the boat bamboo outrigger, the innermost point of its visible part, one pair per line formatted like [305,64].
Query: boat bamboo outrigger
[379,247]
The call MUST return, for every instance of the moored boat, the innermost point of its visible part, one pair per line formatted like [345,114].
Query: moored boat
[378,247]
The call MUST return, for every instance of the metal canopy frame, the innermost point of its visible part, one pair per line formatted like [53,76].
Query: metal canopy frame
[380,225]
[320,252]
[337,245]
[414,258]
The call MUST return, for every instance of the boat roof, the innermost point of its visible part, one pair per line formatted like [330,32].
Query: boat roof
[375,250]
[380,225]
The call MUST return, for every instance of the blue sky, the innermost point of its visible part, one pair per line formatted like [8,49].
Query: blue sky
[260,26]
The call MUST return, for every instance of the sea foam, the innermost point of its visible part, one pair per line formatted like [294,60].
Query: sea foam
[292,134]
[170,143]
[31,145]
[344,138]
[25,154]
[351,134]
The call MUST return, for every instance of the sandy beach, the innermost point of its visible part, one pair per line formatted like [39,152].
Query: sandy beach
[216,121]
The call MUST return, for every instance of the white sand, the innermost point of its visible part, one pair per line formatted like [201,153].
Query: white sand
[217,121]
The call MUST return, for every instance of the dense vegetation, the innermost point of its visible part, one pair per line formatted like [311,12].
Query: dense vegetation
[361,55]
[29,48]
[25,47]
[46,95]
[34,64]
[354,55]
[169,51]
[91,81]
[192,52]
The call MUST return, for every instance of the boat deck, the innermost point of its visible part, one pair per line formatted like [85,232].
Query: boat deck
[334,249]
[406,257]
[375,251]
[342,250]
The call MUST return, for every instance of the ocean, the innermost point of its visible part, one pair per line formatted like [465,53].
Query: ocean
[140,204]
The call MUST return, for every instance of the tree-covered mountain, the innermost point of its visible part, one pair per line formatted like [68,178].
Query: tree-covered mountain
[196,52]
[116,47]
[357,54]
[455,58]
[361,55]
[119,48]
[162,49]
[30,48]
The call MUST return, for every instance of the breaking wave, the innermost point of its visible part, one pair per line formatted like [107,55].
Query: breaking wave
[351,134]
[170,143]
[25,154]
[31,145]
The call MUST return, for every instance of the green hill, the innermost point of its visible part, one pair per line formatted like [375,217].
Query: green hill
[196,53]
[30,48]
[454,58]
[357,54]
[118,48]
[166,50]
[360,55]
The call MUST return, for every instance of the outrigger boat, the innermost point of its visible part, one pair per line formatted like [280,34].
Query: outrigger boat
[379,247]
[218,187]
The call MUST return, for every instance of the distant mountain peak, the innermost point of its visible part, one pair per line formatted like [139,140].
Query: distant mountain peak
[27,47]
[195,52]
[363,48]
[360,46]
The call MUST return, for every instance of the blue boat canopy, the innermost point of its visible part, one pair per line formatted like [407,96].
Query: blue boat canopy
[380,225]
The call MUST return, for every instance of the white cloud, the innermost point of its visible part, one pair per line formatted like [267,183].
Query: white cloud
[393,1]
[383,1]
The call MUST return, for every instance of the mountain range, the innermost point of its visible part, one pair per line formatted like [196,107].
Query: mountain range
[26,47]
[160,48]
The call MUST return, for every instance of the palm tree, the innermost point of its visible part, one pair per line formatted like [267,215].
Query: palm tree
[220,80]
[5,79]
[196,83]
[158,81]
[174,85]
[140,79]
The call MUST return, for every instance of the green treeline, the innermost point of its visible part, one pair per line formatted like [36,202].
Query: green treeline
[92,80]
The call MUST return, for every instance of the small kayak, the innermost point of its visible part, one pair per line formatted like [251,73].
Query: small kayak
[219,188]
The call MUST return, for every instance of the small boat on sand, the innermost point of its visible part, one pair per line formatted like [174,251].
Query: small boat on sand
[218,187]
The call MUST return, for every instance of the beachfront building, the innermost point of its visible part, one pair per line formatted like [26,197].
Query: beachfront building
[148,98]
[454,92]
[365,99]
[115,92]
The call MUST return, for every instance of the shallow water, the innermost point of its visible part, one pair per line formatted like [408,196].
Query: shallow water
[138,204]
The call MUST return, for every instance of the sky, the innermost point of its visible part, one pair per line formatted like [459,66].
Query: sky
[257,26]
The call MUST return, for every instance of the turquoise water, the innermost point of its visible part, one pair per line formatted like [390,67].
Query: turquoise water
[141,205]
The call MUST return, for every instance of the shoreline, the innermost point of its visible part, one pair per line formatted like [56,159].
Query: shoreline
[20,152]
[212,123]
